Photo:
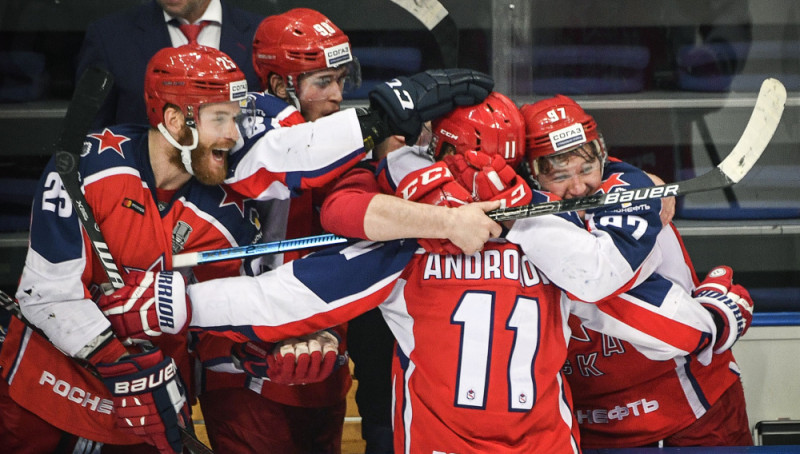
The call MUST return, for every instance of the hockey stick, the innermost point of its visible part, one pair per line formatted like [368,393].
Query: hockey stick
[253,250]
[90,92]
[435,17]
[757,134]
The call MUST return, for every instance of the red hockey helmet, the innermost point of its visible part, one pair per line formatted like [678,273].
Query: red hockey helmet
[299,41]
[558,125]
[188,76]
[494,126]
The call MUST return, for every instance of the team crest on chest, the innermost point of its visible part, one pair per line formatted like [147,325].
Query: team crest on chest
[109,140]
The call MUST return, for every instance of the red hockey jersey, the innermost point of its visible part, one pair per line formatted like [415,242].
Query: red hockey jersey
[624,399]
[142,229]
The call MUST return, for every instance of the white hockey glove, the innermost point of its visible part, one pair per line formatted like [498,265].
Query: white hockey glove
[150,304]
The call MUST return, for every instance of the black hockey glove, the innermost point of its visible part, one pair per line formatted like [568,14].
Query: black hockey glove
[405,103]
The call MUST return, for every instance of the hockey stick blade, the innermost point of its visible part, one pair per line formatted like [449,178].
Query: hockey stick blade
[253,250]
[192,443]
[754,140]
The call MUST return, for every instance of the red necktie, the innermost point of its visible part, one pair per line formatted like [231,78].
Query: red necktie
[192,30]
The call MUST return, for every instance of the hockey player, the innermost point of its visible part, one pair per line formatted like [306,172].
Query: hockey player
[304,64]
[156,192]
[622,399]
[148,207]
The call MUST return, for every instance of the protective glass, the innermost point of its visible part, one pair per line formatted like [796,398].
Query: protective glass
[221,119]
[316,84]
[561,168]
[248,121]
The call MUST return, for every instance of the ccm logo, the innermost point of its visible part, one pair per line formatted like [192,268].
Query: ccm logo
[424,179]
[448,134]
[145,383]
[76,395]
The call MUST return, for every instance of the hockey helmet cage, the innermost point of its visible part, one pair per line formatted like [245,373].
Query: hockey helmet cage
[299,41]
[188,76]
[558,125]
[493,126]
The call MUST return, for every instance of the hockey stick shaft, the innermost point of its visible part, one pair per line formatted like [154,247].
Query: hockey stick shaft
[90,92]
[8,303]
[754,140]
[253,250]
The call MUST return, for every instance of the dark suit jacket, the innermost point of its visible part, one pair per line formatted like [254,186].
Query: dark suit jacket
[124,42]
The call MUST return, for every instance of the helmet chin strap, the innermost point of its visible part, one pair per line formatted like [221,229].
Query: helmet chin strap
[292,92]
[186,150]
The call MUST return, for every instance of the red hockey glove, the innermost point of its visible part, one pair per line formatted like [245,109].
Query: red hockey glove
[150,304]
[434,185]
[251,357]
[729,303]
[308,359]
[490,178]
[149,398]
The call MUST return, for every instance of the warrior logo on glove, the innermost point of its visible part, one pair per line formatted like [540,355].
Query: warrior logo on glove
[129,308]
[729,303]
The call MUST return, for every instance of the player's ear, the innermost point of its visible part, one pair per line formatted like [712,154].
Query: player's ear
[277,86]
[173,119]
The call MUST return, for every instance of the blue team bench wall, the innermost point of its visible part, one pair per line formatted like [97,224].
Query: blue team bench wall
[776,305]
[776,319]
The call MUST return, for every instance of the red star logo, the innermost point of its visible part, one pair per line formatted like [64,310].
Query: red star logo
[232,198]
[579,332]
[613,181]
[109,140]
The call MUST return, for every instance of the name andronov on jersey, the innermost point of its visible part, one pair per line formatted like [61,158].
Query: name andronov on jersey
[490,264]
